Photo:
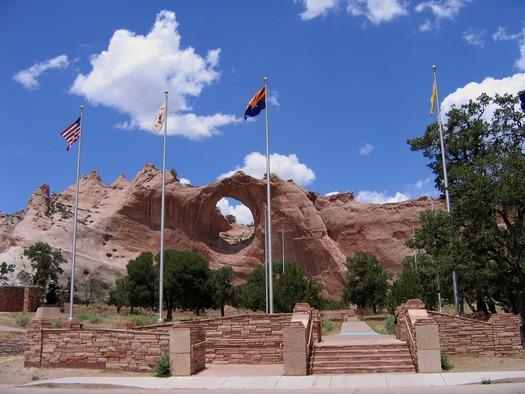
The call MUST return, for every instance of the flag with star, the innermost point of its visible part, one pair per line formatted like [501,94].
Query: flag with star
[256,104]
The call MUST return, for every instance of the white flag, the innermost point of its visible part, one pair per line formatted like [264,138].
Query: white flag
[159,119]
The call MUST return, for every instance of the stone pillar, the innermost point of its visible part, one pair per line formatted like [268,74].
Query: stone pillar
[34,338]
[187,351]
[295,355]
[427,347]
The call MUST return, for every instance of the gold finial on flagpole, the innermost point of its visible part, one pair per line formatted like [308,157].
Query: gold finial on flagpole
[265,79]
[166,91]
[434,67]
[81,107]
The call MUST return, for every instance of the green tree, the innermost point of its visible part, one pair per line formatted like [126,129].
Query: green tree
[418,279]
[252,295]
[186,282]
[289,288]
[45,263]
[231,219]
[222,287]
[485,141]
[24,278]
[119,296]
[141,281]
[292,287]
[366,282]
[5,270]
[91,289]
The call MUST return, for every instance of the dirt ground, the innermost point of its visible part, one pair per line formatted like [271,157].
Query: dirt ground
[12,371]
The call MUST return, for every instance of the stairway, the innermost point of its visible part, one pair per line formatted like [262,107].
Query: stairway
[361,358]
[358,349]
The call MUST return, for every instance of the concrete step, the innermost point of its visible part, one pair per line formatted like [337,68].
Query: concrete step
[319,370]
[361,358]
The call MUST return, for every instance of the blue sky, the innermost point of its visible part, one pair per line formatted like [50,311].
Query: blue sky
[349,82]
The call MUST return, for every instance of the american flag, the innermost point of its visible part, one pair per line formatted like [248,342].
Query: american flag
[72,133]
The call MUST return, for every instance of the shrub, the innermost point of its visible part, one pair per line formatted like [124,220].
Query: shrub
[390,325]
[142,320]
[327,326]
[58,324]
[94,318]
[22,321]
[162,368]
[445,364]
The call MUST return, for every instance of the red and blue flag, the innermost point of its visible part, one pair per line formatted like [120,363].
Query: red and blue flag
[256,104]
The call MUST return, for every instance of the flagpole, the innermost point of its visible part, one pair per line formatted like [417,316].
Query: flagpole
[268,204]
[445,180]
[266,258]
[74,247]
[161,256]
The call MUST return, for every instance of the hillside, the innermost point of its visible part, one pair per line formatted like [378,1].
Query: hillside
[118,221]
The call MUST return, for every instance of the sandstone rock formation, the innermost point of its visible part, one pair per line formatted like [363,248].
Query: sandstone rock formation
[118,221]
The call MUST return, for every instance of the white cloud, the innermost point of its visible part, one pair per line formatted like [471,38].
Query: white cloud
[490,86]
[315,8]
[29,78]
[501,35]
[475,37]
[377,11]
[242,214]
[366,150]
[287,167]
[444,9]
[369,197]
[185,181]
[132,74]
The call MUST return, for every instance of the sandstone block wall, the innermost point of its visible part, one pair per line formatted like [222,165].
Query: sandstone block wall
[103,348]
[500,335]
[248,339]
[11,346]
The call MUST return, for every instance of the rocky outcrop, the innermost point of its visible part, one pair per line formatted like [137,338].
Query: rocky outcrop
[118,221]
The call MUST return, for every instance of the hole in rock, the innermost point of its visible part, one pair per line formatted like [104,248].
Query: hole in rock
[240,219]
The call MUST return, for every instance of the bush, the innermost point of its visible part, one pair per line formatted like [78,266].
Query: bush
[81,317]
[142,320]
[58,324]
[327,326]
[390,325]
[94,318]
[445,364]
[22,321]
[162,368]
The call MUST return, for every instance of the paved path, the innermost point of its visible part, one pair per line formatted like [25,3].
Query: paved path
[358,332]
[238,378]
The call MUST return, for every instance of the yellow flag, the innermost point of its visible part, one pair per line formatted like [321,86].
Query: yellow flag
[433,98]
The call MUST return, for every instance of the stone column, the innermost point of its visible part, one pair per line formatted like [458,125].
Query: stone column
[187,351]
[427,344]
[295,355]
[33,347]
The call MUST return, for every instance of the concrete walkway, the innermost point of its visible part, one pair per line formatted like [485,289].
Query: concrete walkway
[270,377]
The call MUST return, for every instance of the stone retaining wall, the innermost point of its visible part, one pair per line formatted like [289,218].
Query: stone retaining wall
[245,339]
[499,336]
[11,346]
[72,347]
